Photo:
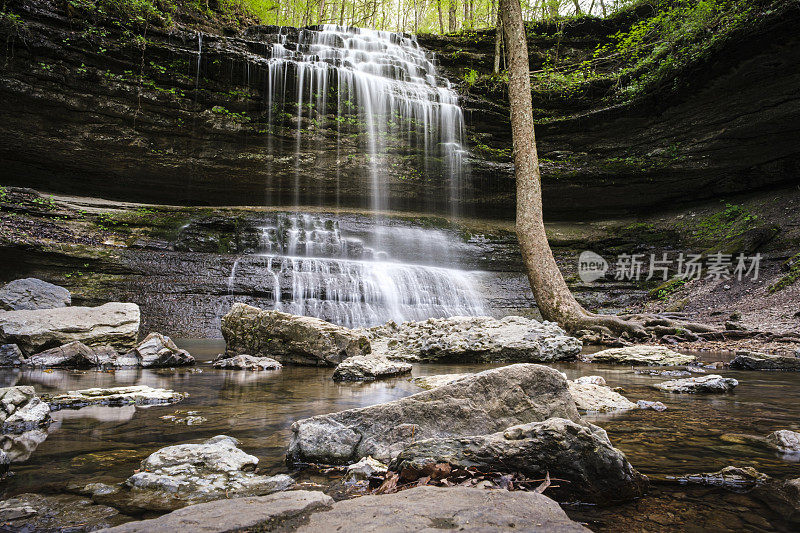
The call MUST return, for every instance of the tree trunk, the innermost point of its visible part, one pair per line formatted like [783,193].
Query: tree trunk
[603,7]
[553,297]
[452,17]
[577,7]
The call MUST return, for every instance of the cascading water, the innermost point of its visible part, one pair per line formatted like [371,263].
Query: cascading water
[387,88]
[383,83]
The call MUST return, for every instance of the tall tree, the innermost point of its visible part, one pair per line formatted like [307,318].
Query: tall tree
[553,297]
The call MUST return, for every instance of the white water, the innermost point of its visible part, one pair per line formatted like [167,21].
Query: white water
[391,86]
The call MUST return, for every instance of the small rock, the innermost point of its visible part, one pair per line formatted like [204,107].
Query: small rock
[655,406]
[594,380]
[728,477]
[115,396]
[32,293]
[785,440]
[590,397]
[246,362]
[366,468]
[158,350]
[667,373]
[21,410]
[56,512]
[186,474]
[641,355]
[368,368]
[712,383]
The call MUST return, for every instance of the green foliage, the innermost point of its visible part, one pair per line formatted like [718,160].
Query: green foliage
[731,222]
[793,275]
[470,76]
[667,289]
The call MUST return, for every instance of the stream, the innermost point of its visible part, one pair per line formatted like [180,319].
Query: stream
[697,433]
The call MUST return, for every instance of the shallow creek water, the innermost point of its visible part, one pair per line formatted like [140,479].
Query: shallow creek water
[695,434]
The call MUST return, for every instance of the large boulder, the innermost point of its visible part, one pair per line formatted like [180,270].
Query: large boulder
[157,350]
[746,360]
[485,402]
[581,455]
[437,380]
[184,474]
[641,355]
[598,398]
[114,396]
[21,410]
[293,339]
[32,293]
[703,384]
[369,368]
[19,447]
[114,324]
[246,362]
[11,355]
[416,509]
[467,339]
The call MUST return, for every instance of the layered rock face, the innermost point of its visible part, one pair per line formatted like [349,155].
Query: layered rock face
[110,130]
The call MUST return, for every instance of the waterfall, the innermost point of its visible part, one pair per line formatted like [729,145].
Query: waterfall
[385,87]
[313,268]
[385,84]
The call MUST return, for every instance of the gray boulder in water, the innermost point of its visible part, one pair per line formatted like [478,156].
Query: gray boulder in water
[32,293]
[246,362]
[641,355]
[485,402]
[72,355]
[785,440]
[474,339]
[581,455]
[369,368]
[115,324]
[292,339]
[746,360]
[185,474]
[703,384]
[22,410]
[157,350]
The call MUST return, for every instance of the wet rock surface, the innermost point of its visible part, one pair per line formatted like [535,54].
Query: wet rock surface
[474,339]
[61,512]
[369,368]
[246,362]
[581,455]
[22,410]
[747,360]
[366,468]
[32,293]
[486,402]
[184,474]
[72,355]
[114,324]
[114,396]
[641,355]
[235,514]
[10,355]
[732,477]
[289,338]
[712,383]
[599,398]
